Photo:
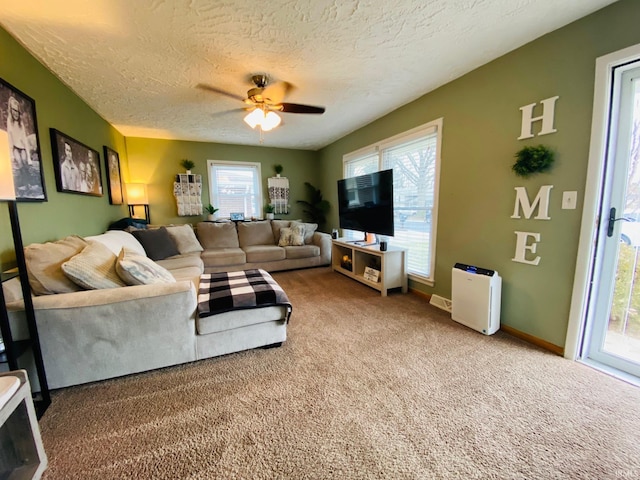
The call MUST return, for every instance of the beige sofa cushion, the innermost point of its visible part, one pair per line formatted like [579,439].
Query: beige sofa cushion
[304,251]
[218,257]
[185,238]
[255,233]
[94,268]
[44,265]
[189,260]
[264,253]
[136,269]
[217,235]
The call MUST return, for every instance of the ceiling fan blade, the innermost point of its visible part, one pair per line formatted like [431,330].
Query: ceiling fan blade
[296,108]
[209,88]
[276,92]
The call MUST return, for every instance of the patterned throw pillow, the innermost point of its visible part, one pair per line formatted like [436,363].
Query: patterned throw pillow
[309,230]
[135,269]
[93,268]
[291,236]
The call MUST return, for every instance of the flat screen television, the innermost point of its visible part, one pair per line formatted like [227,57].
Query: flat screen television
[365,203]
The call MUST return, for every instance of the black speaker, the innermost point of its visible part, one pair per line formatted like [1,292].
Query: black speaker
[383,246]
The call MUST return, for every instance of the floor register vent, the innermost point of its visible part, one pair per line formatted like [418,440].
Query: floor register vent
[441,302]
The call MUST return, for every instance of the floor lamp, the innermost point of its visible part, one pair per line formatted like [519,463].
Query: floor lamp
[7,194]
[137,197]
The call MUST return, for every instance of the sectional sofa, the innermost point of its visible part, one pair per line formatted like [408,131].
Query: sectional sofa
[125,302]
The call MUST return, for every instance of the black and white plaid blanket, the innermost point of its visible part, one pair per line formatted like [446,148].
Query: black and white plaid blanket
[226,291]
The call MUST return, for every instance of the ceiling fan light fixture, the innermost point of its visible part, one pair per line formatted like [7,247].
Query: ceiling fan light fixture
[254,118]
[271,121]
[265,120]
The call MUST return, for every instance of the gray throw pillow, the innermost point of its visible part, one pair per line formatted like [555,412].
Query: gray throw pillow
[157,243]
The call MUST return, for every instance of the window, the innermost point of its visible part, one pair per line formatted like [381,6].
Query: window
[235,187]
[414,157]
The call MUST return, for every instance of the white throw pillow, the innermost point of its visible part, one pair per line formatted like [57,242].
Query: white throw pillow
[135,269]
[93,268]
[116,240]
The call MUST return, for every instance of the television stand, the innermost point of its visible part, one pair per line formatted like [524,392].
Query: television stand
[391,264]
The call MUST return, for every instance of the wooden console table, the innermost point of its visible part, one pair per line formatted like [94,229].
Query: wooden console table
[392,264]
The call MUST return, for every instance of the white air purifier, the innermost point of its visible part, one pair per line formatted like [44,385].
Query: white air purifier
[475,298]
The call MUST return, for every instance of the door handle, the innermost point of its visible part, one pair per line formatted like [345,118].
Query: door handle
[613,220]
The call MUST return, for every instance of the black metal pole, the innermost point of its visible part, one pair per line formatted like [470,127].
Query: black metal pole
[28,306]
[5,329]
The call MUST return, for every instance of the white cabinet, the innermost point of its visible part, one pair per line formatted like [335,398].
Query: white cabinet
[392,264]
[22,455]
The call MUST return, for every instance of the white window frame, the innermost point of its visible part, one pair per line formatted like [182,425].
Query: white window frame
[378,148]
[254,166]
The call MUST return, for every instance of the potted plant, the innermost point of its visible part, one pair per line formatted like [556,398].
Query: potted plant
[211,210]
[316,208]
[187,165]
[269,209]
[278,168]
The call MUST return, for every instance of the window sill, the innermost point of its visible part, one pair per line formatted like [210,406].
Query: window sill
[422,280]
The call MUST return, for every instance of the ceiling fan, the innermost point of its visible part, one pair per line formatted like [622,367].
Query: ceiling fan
[264,100]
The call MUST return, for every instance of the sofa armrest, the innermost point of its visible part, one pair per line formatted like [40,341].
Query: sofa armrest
[123,300]
[96,334]
[323,240]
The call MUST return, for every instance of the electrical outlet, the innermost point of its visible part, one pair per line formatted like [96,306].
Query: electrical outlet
[569,200]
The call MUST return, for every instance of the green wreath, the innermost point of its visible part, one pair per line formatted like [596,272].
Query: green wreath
[532,160]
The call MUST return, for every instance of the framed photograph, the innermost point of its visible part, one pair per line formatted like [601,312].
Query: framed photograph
[237,217]
[77,167]
[114,180]
[18,119]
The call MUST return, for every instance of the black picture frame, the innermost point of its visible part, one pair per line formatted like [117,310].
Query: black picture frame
[114,178]
[77,167]
[18,119]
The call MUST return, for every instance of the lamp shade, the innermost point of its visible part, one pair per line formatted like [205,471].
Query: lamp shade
[137,194]
[7,188]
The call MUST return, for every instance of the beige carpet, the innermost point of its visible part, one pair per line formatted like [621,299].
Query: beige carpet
[365,387]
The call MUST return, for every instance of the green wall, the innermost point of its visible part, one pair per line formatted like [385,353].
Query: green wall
[56,107]
[482,121]
[156,163]
[476,199]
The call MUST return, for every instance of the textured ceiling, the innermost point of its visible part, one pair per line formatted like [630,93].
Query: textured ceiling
[137,62]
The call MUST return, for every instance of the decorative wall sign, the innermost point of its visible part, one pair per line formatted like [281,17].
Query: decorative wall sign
[279,194]
[547,117]
[372,274]
[18,119]
[527,242]
[188,192]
